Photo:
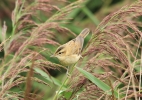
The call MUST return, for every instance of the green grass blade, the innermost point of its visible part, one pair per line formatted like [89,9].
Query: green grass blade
[46,76]
[98,82]
[90,15]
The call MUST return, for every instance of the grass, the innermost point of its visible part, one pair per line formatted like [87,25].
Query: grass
[111,64]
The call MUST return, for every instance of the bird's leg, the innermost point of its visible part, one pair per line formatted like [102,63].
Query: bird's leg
[68,72]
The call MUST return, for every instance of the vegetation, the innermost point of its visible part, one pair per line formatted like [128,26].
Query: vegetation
[111,67]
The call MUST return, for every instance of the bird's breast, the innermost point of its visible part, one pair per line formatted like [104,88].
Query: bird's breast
[68,60]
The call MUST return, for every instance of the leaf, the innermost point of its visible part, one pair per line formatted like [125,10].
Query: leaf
[98,82]
[66,94]
[46,76]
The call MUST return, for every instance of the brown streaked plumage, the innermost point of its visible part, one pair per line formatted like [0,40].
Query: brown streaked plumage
[70,52]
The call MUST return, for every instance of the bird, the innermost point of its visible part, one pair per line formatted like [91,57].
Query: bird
[70,52]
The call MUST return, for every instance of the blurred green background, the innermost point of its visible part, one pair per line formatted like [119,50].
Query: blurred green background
[89,15]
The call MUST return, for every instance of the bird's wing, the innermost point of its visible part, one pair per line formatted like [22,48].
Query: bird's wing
[79,42]
[75,46]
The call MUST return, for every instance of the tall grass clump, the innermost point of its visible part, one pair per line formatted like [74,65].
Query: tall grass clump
[27,49]
[109,70]
[112,59]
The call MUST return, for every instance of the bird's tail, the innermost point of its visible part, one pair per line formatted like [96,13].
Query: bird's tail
[84,32]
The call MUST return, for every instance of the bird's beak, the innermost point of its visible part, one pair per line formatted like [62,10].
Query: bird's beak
[53,55]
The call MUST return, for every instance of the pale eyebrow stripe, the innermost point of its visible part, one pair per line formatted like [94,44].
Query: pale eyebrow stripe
[59,49]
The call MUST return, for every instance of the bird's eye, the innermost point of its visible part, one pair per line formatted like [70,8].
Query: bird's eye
[60,52]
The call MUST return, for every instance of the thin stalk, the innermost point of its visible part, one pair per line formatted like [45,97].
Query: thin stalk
[56,95]
[64,82]
[140,79]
